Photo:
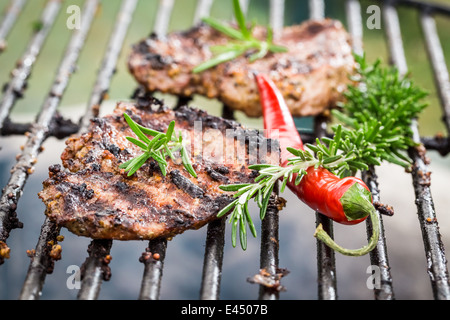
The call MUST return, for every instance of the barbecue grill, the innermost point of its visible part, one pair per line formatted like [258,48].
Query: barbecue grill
[201,264]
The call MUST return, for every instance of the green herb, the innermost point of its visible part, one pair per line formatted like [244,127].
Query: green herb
[37,25]
[244,41]
[374,126]
[162,145]
[382,105]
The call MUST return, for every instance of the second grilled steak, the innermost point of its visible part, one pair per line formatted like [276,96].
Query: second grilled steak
[312,75]
[92,197]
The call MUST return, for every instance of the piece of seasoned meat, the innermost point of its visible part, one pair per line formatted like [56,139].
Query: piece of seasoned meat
[92,197]
[312,75]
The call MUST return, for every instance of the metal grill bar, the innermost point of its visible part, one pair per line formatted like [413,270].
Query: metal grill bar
[277,16]
[202,10]
[215,237]
[355,24]
[436,55]
[326,264]
[153,271]
[434,250]
[95,269]
[163,17]
[41,264]
[12,12]
[32,147]
[378,256]
[215,242]
[17,85]
[316,9]
[270,246]
[212,262]
[41,261]
[269,250]
[94,266]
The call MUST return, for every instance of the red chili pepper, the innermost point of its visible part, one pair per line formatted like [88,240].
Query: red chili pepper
[347,200]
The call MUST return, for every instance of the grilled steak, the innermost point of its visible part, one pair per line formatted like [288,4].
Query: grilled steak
[311,75]
[92,197]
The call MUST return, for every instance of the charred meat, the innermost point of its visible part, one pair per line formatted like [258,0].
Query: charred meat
[312,75]
[92,197]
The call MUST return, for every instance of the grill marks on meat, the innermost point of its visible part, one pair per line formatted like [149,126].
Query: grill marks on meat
[312,75]
[92,197]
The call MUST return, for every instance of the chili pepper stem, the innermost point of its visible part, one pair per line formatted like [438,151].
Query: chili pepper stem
[323,236]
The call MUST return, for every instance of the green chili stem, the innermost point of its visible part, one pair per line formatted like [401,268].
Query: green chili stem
[323,236]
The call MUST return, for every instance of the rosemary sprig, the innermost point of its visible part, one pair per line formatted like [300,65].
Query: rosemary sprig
[262,189]
[244,41]
[162,145]
[375,127]
[382,105]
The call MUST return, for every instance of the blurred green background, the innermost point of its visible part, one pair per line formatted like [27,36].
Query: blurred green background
[123,84]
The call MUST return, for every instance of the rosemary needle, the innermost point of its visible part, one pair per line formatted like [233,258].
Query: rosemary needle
[162,145]
[243,41]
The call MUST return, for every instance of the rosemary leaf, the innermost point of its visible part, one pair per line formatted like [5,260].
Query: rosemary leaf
[227,208]
[137,142]
[244,41]
[233,187]
[227,30]
[133,125]
[221,58]
[157,148]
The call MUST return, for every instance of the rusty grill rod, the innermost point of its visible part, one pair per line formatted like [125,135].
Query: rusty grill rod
[214,246]
[17,85]
[436,55]
[163,17]
[434,249]
[378,256]
[26,160]
[13,11]
[40,263]
[153,269]
[50,230]
[202,10]
[326,263]
[95,267]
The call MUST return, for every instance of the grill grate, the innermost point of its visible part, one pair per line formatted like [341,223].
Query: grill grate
[95,269]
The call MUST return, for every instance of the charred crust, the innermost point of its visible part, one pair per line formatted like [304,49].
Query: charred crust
[157,61]
[216,175]
[121,186]
[115,150]
[186,185]
[94,198]
[222,169]
[191,115]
